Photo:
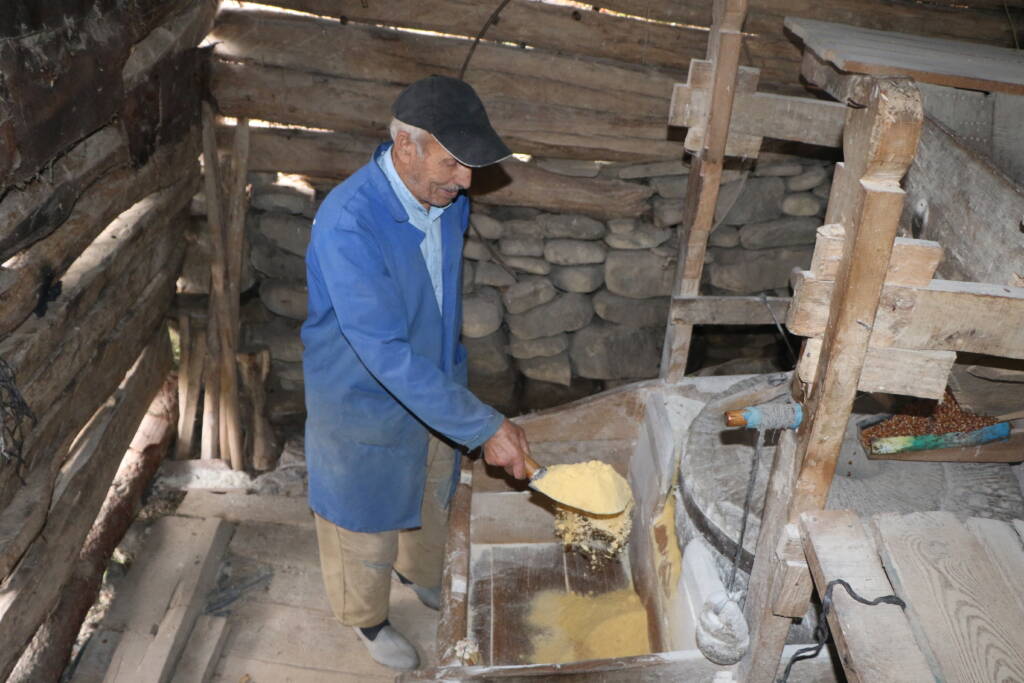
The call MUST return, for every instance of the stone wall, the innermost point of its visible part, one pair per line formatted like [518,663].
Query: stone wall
[556,306]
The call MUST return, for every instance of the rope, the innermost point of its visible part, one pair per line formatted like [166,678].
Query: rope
[762,418]
[778,326]
[746,505]
[15,413]
[487,24]
[821,632]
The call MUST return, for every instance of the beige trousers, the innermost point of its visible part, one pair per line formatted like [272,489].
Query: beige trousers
[357,566]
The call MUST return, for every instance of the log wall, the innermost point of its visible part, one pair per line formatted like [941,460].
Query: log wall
[99,147]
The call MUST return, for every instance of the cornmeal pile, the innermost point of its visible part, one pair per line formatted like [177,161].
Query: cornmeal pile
[595,507]
[593,486]
[568,627]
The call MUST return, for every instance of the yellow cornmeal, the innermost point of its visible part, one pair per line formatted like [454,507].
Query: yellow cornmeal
[668,561]
[567,627]
[592,486]
[598,538]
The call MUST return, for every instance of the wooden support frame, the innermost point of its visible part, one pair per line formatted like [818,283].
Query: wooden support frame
[705,175]
[878,143]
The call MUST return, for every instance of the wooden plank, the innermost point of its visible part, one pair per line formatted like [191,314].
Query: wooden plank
[1011,450]
[611,415]
[538,25]
[913,262]
[931,60]
[237,506]
[767,630]
[780,117]
[205,550]
[878,145]
[190,375]
[454,623]
[729,310]
[511,518]
[204,647]
[524,571]
[278,545]
[875,643]
[890,370]
[956,598]
[32,589]
[35,269]
[310,153]
[1005,549]
[703,183]
[945,315]
[943,186]
[794,581]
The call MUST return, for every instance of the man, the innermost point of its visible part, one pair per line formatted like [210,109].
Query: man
[384,370]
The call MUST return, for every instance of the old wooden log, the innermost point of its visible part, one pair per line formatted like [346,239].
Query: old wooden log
[34,211]
[98,370]
[35,270]
[46,656]
[63,79]
[541,103]
[31,590]
[539,25]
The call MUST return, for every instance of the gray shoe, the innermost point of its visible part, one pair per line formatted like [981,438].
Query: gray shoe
[390,648]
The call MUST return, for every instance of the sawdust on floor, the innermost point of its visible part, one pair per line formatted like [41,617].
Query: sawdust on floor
[592,486]
[567,627]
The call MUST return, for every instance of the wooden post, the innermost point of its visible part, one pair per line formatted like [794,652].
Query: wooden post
[220,303]
[190,376]
[878,145]
[254,368]
[705,175]
[209,448]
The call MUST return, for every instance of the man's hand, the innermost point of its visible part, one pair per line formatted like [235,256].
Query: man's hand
[507,448]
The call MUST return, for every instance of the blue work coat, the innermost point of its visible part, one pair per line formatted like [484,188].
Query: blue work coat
[381,363]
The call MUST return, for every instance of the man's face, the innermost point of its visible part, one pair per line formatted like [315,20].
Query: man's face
[434,177]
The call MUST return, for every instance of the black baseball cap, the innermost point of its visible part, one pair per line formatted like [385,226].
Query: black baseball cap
[451,111]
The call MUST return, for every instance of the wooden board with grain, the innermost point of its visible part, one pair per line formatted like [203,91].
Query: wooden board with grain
[729,310]
[875,642]
[505,580]
[932,60]
[956,597]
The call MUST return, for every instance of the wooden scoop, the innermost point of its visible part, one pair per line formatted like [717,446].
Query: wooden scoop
[606,493]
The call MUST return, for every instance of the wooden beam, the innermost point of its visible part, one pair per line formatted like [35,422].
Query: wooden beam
[890,370]
[876,643]
[38,267]
[705,176]
[945,315]
[32,589]
[765,115]
[539,25]
[913,262]
[701,80]
[729,310]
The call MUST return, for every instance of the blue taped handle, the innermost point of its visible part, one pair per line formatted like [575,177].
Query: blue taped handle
[755,417]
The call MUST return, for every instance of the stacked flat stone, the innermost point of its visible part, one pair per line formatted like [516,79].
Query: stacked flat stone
[557,306]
